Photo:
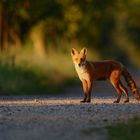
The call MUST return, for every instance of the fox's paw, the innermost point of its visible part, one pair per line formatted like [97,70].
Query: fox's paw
[138,99]
[88,101]
[126,101]
[83,101]
[116,101]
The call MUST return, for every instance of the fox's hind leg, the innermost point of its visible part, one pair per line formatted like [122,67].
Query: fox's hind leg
[124,90]
[116,86]
[114,79]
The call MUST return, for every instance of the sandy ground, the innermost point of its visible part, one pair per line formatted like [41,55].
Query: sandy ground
[62,116]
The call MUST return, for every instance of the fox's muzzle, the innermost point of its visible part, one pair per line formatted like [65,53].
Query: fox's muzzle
[79,65]
[82,64]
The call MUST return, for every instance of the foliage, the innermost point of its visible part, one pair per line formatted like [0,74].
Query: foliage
[23,72]
[125,131]
[48,29]
[112,28]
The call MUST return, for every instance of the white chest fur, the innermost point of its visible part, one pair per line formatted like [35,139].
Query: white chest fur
[82,72]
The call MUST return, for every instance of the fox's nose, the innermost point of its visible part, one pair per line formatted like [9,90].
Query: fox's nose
[79,64]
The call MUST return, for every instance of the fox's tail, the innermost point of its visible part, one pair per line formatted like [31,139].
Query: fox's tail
[131,83]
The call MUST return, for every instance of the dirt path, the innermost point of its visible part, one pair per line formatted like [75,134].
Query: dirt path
[62,116]
[45,118]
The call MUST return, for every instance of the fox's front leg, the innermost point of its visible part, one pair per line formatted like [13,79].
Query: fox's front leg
[87,86]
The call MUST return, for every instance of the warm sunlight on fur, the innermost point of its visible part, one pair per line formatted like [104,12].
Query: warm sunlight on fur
[102,70]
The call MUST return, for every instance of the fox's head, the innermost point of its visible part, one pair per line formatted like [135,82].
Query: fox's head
[79,58]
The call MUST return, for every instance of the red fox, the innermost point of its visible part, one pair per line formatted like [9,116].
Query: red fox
[102,70]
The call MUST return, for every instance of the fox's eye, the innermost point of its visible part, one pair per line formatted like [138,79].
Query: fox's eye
[76,59]
[82,59]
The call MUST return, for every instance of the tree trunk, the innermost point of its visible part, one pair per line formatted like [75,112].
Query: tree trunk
[37,36]
[1,25]
[8,35]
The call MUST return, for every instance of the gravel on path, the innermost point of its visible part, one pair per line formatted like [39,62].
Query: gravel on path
[45,118]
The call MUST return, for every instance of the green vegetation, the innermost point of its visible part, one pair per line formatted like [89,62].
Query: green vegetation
[26,73]
[37,36]
[125,131]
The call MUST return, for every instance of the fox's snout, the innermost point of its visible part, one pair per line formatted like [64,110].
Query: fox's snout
[81,62]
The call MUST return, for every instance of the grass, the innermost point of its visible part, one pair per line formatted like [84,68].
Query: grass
[129,130]
[19,81]
[125,131]
[15,80]
[23,72]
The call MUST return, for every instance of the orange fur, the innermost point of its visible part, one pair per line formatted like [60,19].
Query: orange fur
[102,70]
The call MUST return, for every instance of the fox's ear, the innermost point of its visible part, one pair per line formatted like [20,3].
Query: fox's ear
[73,51]
[84,51]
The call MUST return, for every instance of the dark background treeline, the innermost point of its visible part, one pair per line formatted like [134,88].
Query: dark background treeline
[36,38]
